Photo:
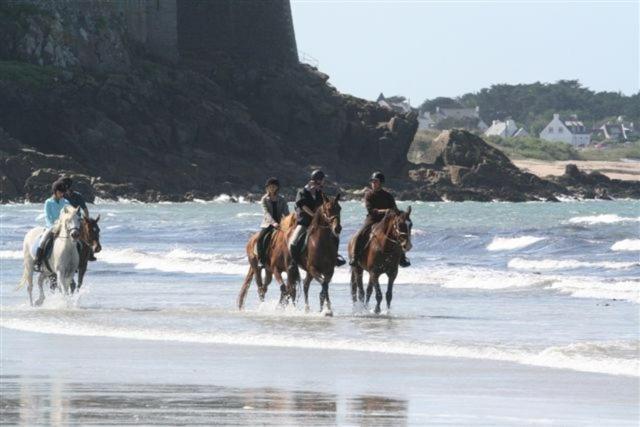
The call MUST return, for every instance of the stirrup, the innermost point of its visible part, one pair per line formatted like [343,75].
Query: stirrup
[37,267]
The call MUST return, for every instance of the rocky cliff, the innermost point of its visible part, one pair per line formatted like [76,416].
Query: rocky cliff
[80,97]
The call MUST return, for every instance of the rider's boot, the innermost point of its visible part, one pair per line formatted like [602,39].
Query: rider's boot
[340,261]
[37,266]
[404,261]
[92,257]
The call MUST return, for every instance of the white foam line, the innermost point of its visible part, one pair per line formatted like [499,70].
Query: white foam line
[602,219]
[626,245]
[552,357]
[511,243]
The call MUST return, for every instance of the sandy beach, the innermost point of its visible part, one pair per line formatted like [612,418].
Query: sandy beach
[625,170]
[71,380]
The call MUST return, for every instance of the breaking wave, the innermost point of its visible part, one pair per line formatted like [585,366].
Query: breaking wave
[602,219]
[626,245]
[567,264]
[511,243]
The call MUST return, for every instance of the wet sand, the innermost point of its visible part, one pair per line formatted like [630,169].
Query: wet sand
[69,380]
[616,170]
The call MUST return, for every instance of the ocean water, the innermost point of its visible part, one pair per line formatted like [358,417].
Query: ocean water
[549,285]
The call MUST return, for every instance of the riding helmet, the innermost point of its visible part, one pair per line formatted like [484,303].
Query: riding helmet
[272,181]
[377,175]
[317,175]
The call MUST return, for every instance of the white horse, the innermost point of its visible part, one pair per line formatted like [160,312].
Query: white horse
[64,258]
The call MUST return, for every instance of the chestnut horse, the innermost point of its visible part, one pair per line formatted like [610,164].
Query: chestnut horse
[319,258]
[278,258]
[90,237]
[389,239]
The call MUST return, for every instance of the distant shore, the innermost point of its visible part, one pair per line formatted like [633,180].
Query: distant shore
[623,170]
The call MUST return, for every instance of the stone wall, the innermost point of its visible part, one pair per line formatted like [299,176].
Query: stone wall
[252,32]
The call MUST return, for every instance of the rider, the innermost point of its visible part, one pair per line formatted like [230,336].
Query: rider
[76,199]
[307,201]
[377,201]
[275,208]
[52,208]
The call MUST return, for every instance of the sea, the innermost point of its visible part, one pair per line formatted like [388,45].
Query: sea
[510,314]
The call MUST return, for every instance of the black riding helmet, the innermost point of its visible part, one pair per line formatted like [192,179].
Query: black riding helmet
[66,181]
[377,175]
[317,175]
[272,181]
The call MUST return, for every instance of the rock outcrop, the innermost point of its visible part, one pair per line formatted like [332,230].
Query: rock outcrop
[595,185]
[464,167]
[79,98]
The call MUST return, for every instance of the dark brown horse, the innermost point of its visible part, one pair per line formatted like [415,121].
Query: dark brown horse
[278,258]
[389,239]
[319,258]
[90,238]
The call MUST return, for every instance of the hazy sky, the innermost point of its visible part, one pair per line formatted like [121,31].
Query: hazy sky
[423,49]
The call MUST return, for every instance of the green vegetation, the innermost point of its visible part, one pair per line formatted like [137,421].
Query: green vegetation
[532,105]
[533,148]
[28,74]
[629,150]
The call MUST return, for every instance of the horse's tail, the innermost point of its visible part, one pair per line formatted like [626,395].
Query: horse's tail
[25,275]
[245,287]
[293,274]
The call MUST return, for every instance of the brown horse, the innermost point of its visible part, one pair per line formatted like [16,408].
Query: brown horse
[389,239]
[278,258]
[90,238]
[319,258]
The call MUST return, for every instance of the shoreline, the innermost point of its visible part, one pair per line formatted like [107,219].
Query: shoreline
[622,170]
[258,381]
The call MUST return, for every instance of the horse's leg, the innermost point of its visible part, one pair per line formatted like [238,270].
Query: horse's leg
[284,289]
[245,287]
[41,278]
[325,289]
[378,294]
[360,272]
[306,283]
[262,289]
[369,288]
[28,277]
[354,285]
[392,277]
[82,269]
[64,280]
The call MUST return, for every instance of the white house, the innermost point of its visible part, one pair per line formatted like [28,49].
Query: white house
[428,120]
[503,129]
[570,131]
[618,131]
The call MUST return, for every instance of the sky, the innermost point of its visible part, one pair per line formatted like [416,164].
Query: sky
[427,48]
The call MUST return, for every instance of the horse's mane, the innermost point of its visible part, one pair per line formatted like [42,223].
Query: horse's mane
[288,222]
[383,225]
[316,220]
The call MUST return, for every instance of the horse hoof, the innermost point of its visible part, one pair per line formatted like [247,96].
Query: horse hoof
[328,313]
[307,309]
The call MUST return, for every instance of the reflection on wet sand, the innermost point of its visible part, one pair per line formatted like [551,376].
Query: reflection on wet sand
[48,401]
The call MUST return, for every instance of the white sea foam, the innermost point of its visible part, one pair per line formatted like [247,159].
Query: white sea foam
[626,245]
[176,260]
[511,243]
[5,254]
[602,219]
[246,214]
[567,264]
[614,358]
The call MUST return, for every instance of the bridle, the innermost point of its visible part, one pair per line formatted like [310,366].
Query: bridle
[68,231]
[397,233]
[329,220]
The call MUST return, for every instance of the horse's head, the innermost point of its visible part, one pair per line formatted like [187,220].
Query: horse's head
[70,222]
[331,211]
[91,233]
[402,228]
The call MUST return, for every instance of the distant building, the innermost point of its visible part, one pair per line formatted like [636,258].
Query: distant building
[428,120]
[504,129]
[521,133]
[399,104]
[570,131]
[618,131]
